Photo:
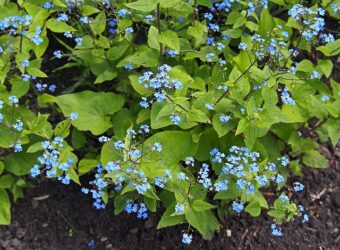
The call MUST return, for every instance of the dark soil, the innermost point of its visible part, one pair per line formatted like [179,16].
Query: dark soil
[53,216]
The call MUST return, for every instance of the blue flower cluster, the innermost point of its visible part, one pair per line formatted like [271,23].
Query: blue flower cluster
[312,21]
[17,126]
[140,209]
[16,25]
[286,98]
[159,82]
[242,166]
[50,162]
[126,170]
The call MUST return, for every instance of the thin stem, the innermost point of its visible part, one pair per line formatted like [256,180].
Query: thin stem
[179,105]
[239,78]
[159,31]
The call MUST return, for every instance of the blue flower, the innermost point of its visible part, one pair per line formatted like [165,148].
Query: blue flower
[157,147]
[315,75]
[276,231]
[279,179]
[284,198]
[181,176]
[25,63]
[286,99]
[79,41]
[35,171]
[13,99]
[298,187]
[57,54]
[135,153]
[119,145]
[48,5]
[129,30]
[325,98]
[123,12]
[128,66]
[224,118]
[173,53]
[186,239]
[176,119]
[243,46]
[52,88]
[305,218]
[91,243]
[18,125]
[142,188]
[221,185]
[160,182]
[237,207]
[84,19]
[179,208]
[210,106]
[62,17]
[73,116]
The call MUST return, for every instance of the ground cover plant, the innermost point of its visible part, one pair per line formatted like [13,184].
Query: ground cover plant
[193,108]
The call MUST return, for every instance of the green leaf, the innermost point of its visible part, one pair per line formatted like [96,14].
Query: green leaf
[2,167]
[63,128]
[93,109]
[330,49]
[108,75]
[36,72]
[305,66]
[143,5]
[326,66]
[117,52]
[5,208]
[253,208]
[138,86]
[144,56]
[170,39]
[19,88]
[222,128]
[34,147]
[332,128]
[266,22]
[86,165]
[314,159]
[230,194]
[7,137]
[88,10]
[205,222]
[167,220]
[20,163]
[153,40]
[200,205]
[59,27]
[170,140]
[98,25]
[277,214]
[6,181]
[199,32]
[160,113]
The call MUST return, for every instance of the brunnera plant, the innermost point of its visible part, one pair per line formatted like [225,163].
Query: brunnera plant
[193,107]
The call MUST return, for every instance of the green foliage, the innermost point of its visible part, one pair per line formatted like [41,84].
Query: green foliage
[200,88]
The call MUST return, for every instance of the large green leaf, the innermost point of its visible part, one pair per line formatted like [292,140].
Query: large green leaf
[20,163]
[171,142]
[93,109]
[5,208]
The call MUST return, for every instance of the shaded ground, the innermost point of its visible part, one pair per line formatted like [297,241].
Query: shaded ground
[56,217]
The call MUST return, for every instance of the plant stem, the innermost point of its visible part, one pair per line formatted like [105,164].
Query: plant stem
[159,31]
[239,78]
